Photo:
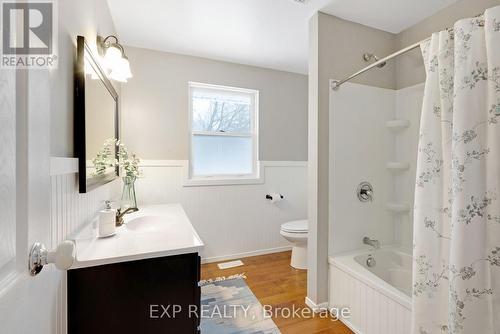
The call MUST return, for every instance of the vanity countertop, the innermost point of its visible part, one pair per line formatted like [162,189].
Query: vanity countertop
[153,231]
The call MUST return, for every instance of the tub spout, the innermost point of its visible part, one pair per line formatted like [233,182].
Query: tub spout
[372,242]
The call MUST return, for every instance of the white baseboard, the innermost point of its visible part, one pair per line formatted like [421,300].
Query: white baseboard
[246,254]
[316,308]
[350,326]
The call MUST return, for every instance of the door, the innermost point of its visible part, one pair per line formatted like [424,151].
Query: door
[27,304]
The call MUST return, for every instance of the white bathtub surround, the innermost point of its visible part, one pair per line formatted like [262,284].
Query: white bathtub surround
[408,107]
[374,138]
[381,126]
[457,204]
[378,296]
[360,147]
[296,232]
[234,221]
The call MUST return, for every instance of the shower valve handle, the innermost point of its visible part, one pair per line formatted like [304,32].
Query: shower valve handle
[365,192]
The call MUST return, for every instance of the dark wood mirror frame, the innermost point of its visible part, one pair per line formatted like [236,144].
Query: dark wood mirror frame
[82,52]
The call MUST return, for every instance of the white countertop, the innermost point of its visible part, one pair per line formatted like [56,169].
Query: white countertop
[168,232]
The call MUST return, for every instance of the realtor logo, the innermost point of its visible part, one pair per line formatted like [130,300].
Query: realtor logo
[28,34]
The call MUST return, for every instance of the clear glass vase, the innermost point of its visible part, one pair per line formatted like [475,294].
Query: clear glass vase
[128,195]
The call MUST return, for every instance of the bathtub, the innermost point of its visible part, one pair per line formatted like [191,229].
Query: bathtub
[379,296]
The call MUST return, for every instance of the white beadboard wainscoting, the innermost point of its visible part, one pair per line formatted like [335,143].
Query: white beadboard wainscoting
[69,212]
[372,312]
[232,220]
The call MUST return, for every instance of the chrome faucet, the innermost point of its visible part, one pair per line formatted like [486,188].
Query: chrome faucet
[119,215]
[372,242]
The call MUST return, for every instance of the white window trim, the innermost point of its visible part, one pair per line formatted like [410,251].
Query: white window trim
[220,179]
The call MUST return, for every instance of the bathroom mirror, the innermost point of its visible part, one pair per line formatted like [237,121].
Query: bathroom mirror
[96,121]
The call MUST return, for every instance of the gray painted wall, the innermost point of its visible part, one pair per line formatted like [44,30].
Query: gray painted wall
[87,18]
[410,67]
[155,104]
[341,47]
[315,250]
[336,49]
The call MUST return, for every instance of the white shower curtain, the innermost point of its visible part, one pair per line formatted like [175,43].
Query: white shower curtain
[456,271]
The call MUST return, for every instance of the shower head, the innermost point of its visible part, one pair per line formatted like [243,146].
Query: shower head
[370,56]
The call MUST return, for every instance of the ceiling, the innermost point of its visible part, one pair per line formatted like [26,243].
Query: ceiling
[265,33]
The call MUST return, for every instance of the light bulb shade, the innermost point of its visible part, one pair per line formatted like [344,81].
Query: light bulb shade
[121,70]
[115,61]
[125,67]
[117,76]
[112,55]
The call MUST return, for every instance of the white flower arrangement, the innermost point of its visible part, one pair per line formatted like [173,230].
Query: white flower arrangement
[105,158]
[128,162]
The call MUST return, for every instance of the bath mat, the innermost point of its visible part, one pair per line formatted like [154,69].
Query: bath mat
[230,264]
[230,307]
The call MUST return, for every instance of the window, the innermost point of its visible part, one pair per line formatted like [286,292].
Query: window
[224,136]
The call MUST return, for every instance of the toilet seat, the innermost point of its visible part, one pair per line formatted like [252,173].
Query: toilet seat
[296,226]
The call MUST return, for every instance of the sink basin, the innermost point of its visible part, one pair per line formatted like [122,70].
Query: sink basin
[154,231]
[147,224]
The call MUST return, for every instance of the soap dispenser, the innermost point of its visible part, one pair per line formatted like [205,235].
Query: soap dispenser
[107,221]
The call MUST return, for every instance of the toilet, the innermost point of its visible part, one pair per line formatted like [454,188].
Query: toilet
[296,233]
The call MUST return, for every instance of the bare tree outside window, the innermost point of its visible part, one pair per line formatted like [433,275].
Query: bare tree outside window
[224,131]
[220,115]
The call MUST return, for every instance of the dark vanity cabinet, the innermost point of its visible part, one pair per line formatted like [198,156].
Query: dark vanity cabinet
[158,295]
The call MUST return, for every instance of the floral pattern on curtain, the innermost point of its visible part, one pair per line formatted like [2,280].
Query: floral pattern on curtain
[456,270]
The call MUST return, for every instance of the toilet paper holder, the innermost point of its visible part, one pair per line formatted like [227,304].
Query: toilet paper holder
[270,197]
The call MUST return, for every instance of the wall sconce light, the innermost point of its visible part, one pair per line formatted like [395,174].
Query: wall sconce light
[114,58]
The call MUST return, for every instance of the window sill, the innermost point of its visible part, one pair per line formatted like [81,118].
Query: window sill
[208,181]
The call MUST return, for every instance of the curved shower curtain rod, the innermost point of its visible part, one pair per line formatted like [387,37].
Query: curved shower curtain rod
[337,83]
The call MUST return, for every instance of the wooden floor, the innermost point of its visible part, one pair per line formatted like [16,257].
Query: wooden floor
[275,283]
